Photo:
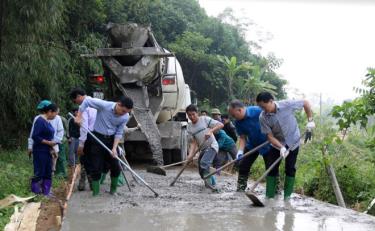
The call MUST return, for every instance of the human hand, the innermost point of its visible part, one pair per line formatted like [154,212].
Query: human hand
[239,155]
[283,152]
[310,125]
[208,134]
[80,151]
[114,153]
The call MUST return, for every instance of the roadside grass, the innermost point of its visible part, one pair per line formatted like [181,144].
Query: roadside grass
[354,165]
[16,170]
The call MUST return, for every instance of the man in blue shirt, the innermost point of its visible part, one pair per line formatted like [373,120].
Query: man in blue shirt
[109,126]
[248,129]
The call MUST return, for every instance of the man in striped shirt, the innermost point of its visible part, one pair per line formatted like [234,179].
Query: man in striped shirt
[278,122]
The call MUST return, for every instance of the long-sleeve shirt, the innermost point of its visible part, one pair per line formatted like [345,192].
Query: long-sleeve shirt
[57,124]
[30,141]
[43,130]
[88,121]
[225,142]
[107,122]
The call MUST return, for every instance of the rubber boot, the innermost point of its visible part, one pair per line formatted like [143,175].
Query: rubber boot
[82,180]
[121,180]
[95,187]
[208,183]
[114,184]
[46,187]
[288,187]
[241,183]
[36,187]
[102,178]
[213,180]
[271,184]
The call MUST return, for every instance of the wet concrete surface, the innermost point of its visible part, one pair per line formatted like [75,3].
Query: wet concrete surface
[190,206]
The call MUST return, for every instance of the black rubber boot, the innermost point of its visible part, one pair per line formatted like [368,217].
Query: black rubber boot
[241,183]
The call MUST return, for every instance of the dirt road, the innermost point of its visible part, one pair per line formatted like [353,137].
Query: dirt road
[190,206]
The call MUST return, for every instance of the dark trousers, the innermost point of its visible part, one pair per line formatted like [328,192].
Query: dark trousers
[85,159]
[290,162]
[42,161]
[246,163]
[99,158]
[222,157]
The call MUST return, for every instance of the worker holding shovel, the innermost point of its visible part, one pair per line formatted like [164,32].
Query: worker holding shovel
[278,122]
[202,129]
[248,128]
[108,128]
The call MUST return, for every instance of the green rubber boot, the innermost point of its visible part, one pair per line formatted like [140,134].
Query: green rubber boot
[102,178]
[288,187]
[241,183]
[121,180]
[114,183]
[95,187]
[271,184]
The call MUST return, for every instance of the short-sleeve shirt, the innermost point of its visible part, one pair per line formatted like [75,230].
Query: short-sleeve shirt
[249,126]
[199,129]
[283,124]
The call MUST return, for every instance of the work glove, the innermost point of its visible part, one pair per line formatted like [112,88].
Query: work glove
[310,125]
[283,152]
[121,151]
[239,155]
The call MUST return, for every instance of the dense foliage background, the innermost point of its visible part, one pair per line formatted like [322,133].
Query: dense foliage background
[40,44]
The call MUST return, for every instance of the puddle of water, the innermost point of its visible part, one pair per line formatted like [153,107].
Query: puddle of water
[139,219]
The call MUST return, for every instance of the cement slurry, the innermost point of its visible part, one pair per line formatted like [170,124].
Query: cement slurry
[190,206]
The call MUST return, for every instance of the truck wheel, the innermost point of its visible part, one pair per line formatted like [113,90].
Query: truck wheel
[181,154]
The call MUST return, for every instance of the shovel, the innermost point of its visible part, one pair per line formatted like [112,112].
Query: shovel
[121,161]
[161,169]
[250,194]
[183,169]
[234,161]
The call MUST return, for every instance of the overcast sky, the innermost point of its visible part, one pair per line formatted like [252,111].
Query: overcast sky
[326,45]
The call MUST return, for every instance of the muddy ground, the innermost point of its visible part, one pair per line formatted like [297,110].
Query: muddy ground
[190,206]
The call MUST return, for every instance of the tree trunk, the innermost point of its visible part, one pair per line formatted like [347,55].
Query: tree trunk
[230,90]
[2,18]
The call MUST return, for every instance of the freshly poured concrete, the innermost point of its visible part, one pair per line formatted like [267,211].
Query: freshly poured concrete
[190,206]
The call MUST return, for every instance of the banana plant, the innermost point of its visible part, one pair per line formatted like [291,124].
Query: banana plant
[232,70]
[253,84]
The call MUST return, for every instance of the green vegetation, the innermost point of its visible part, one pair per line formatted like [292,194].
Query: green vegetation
[40,44]
[16,172]
[347,138]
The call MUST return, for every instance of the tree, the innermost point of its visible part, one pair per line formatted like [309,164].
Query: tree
[253,84]
[358,111]
[232,70]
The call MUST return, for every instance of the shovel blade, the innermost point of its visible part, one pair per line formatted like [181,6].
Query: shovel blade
[254,199]
[156,170]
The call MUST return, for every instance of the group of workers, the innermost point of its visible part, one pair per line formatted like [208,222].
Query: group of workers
[273,122]
[105,119]
[214,138]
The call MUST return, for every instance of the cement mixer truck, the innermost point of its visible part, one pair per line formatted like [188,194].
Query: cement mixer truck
[137,66]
